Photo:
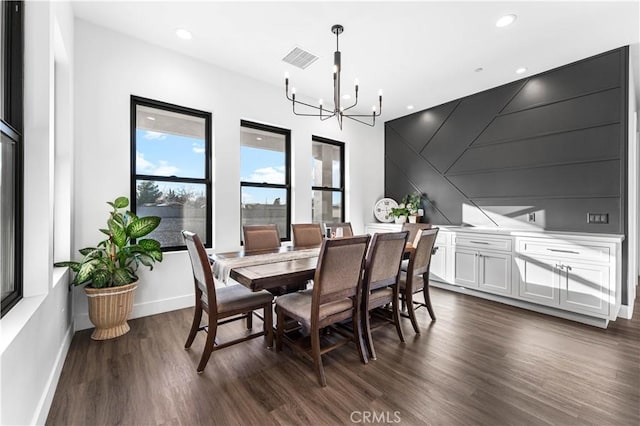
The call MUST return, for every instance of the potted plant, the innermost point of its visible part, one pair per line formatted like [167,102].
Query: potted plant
[413,201]
[400,213]
[108,270]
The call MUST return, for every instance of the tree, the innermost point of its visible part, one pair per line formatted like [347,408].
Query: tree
[148,192]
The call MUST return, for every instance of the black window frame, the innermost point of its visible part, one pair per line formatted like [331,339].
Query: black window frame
[207,180]
[287,179]
[340,189]
[12,126]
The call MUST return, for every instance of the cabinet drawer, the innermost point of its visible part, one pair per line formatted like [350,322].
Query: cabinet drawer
[483,243]
[582,250]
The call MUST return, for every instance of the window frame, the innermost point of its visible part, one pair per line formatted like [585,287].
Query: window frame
[287,178]
[12,125]
[340,189]
[207,180]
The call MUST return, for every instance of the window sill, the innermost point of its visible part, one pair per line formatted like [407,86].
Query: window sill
[20,315]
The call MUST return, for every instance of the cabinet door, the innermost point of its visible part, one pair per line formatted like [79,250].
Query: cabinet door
[466,267]
[585,287]
[539,280]
[494,273]
[438,267]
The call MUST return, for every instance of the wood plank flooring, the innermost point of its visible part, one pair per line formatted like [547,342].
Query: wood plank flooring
[480,363]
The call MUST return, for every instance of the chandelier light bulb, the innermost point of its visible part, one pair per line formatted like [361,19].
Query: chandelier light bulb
[293,90]
[320,101]
[286,75]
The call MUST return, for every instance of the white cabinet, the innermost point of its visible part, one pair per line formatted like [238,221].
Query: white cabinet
[494,272]
[373,228]
[578,276]
[538,280]
[438,268]
[483,263]
[584,287]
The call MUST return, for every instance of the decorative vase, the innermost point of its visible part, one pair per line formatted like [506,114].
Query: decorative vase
[109,309]
[401,219]
[413,219]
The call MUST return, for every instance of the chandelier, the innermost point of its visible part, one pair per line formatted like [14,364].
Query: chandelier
[338,111]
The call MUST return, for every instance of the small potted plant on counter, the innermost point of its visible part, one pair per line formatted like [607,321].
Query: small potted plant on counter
[400,213]
[412,202]
[109,268]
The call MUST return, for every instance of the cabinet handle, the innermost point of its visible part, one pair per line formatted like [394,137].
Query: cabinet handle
[563,251]
[479,242]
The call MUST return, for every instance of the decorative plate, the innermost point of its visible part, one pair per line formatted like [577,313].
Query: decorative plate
[382,209]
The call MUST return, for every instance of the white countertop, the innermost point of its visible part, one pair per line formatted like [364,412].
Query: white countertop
[541,233]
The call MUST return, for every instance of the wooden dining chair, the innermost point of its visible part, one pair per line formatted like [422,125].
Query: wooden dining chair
[347,231]
[381,277]
[336,296]
[222,305]
[417,276]
[261,237]
[306,235]
[413,229]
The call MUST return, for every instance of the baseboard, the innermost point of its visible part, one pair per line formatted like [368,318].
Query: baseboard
[42,410]
[145,309]
[626,311]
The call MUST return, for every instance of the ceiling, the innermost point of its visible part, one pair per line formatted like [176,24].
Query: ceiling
[420,53]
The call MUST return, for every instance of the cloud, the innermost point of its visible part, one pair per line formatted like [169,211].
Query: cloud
[163,168]
[154,135]
[198,148]
[267,174]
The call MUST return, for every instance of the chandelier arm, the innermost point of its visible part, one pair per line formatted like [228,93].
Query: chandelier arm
[308,105]
[326,117]
[354,104]
[372,124]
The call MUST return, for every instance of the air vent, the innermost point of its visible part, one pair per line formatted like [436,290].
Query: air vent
[300,58]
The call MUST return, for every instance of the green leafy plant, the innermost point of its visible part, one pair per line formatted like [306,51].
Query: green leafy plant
[114,261]
[408,206]
[412,202]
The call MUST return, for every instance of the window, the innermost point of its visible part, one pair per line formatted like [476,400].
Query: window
[265,174]
[171,169]
[328,180]
[11,119]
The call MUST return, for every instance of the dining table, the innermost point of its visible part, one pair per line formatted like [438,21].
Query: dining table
[269,269]
[266,269]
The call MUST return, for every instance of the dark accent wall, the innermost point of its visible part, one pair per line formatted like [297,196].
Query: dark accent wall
[555,143]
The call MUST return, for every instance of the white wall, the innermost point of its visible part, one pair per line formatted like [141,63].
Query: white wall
[110,67]
[37,332]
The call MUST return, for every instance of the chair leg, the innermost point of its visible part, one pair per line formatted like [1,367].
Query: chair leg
[268,324]
[396,318]
[367,334]
[208,346]
[427,300]
[358,337]
[317,358]
[249,320]
[411,312]
[279,329]
[195,326]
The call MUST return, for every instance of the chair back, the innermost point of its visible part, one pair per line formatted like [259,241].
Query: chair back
[347,231]
[261,237]
[306,234]
[421,256]
[383,260]
[413,229]
[202,273]
[339,271]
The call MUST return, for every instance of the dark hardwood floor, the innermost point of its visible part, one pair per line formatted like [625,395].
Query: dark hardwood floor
[480,363]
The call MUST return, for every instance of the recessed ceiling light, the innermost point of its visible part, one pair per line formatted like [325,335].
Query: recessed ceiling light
[183,34]
[506,20]
[409,106]
[258,138]
[346,96]
[151,118]
[479,69]
[521,70]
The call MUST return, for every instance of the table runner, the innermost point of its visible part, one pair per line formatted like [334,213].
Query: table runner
[222,267]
